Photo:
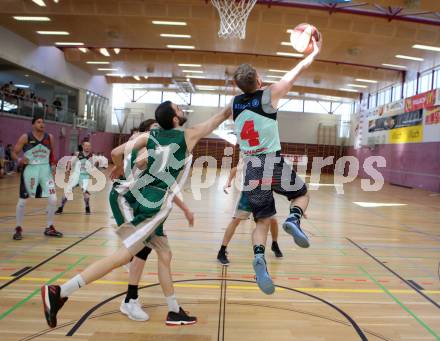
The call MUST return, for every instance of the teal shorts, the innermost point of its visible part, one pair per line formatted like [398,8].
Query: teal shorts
[243,209]
[36,182]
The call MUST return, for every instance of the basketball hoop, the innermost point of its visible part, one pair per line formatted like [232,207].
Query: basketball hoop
[233,17]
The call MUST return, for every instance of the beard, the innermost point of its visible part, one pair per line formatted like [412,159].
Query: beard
[182,120]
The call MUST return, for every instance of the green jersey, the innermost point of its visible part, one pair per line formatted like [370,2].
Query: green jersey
[167,151]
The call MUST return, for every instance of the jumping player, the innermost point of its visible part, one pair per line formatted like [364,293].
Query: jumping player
[243,212]
[256,127]
[166,169]
[36,180]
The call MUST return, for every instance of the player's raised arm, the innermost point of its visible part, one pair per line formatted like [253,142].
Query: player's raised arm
[283,86]
[194,134]
[118,153]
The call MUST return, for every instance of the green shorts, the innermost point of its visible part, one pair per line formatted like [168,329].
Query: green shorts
[125,208]
[36,182]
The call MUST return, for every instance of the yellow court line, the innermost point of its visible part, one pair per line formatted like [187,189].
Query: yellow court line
[238,287]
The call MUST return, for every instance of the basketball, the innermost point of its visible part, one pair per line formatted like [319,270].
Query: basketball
[301,37]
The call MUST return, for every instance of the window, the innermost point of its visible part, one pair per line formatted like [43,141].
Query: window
[205,100]
[425,82]
[318,107]
[286,104]
[372,101]
[381,98]
[387,95]
[149,97]
[437,78]
[342,109]
[178,98]
[397,92]
[225,99]
[409,89]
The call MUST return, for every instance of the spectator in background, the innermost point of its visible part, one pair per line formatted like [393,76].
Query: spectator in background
[57,104]
[2,159]
[10,164]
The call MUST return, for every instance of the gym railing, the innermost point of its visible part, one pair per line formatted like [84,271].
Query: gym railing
[31,107]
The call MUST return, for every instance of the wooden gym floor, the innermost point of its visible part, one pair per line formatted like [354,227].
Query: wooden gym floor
[370,274]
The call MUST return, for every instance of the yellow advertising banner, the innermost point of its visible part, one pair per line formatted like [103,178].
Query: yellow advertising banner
[407,134]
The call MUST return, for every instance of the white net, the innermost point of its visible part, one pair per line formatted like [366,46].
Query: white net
[233,17]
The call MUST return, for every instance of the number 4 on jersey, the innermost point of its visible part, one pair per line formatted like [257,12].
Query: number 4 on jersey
[249,134]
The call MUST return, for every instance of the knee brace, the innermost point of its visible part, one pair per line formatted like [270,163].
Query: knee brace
[143,254]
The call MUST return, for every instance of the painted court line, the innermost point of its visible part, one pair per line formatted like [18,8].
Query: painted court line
[237,287]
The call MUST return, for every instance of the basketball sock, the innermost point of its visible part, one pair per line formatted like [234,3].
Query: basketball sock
[87,202]
[63,202]
[132,293]
[19,213]
[223,249]
[51,208]
[72,285]
[172,303]
[296,211]
[259,249]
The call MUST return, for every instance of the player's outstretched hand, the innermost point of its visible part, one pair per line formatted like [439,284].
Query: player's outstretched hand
[316,49]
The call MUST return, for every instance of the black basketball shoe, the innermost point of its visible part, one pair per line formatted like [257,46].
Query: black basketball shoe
[180,318]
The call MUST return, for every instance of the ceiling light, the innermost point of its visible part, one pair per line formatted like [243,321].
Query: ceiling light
[97,62]
[395,65]
[187,110]
[21,18]
[193,71]
[39,3]
[426,47]
[104,52]
[191,65]
[286,43]
[366,80]
[269,81]
[82,49]
[170,23]
[191,76]
[26,75]
[417,59]
[117,50]
[107,69]
[68,43]
[349,90]
[43,82]
[146,77]
[188,47]
[206,87]
[22,86]
[273,76]
[281,71]
[288,54]
[166,35]
[358,86]
[115,75]
[137,78]
[54,33]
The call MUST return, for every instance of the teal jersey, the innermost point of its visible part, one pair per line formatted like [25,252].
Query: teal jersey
[83,159]
[38,152]
[256,124]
